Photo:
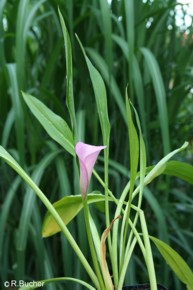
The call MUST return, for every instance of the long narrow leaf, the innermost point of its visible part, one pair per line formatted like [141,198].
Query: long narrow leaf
[103,68]
[29,201]
[176,262]
[6,209]
[180,169]
[100,96]
[18,110]
[137,79]
[25,16]
[69,69]
[2,56]
[160,96]
[161,165]
[133,146]
[130,29]
[107,31]
[54,125]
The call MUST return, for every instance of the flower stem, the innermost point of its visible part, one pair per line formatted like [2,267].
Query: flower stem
[91,243]
[149,257]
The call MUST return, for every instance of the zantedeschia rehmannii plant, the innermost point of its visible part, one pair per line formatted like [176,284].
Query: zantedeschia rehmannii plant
[87,155]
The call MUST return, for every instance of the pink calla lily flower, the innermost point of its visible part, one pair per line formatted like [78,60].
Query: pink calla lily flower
[87,155]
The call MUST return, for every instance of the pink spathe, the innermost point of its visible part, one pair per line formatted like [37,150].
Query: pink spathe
[87,155]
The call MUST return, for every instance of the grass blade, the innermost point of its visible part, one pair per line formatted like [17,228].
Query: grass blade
[103,68]
[154,71]
[29,204]
[161,165]
[25,17]
[176,262]
[69,69]
[18,110]
[181,170]
[106,29]
[54,125]
[100,96]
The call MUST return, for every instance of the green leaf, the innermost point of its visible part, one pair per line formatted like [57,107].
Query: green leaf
[137,79]
[67,207]
[69,69]
[54,125]
[100,96]
[29,200]
[106,28]
[130,24]
[160,93]
[142,151]
[103,68]
[180,169]
[133,146]
[160,167]
[25,19]
[176,262]
[18,110]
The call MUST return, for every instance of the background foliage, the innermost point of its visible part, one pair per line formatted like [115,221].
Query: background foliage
[137,44]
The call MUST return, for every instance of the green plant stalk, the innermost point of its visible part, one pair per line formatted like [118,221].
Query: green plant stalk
[129,249]
[10,161]
[96,237]
[134,160]
[137,235]
[107,215]
[125,224]
[113,248]
[128,255]
[106,183]
[124,228]
[142,168]
[103,184]
[138,208]
[91,243]
[115,235]
[138,190]
[143,160]
[149,257]
[122,258]
[125,260]
[146,251]
[119,203]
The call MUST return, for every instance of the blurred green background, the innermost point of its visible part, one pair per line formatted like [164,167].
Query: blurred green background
[146,46]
